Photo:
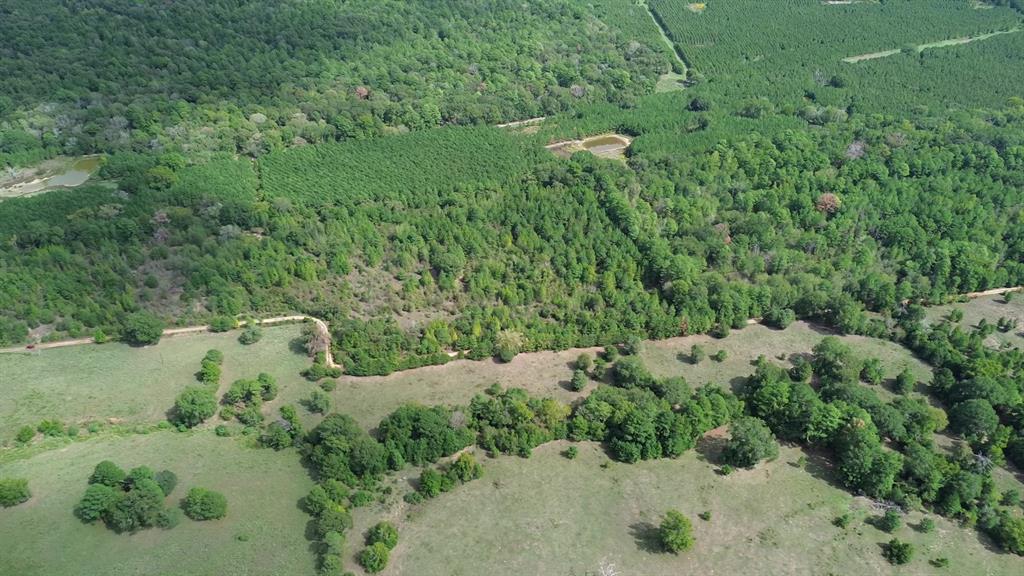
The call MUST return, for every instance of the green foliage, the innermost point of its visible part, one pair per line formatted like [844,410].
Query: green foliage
[169,518]
[340,450]
[13,491]
[222,323]
[720,356]
[927,525]
[675,532]
[385,533]
[318,402]
[571,452]
[905,382]
[514,423]
[142,328]
[203,504]
[374,557]
[251,334]
[25,433]
[579,380]
[194,405]
[750,442]
[423,435]
[108,474]
[584,362]
[842,521]
[897,552]
[889,521]
[697,354]
[872,371]
[167,481]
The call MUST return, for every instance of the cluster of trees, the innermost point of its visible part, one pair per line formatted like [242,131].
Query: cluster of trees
[433,482]
[381,539]
[393,65]
[512,422]
[419,435]
[885,449]
[244,399]
[127,502]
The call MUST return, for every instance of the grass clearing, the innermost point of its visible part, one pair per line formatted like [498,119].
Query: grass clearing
[554,516]
[263,533]
[991,308]
[117,383]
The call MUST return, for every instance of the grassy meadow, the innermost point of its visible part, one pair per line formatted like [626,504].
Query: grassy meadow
[551,515]
[262,534]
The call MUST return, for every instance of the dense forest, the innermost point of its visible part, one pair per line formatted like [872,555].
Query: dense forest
[250,77]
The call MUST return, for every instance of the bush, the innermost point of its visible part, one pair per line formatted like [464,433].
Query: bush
[579,380]
[276,437]
[696,354]
[194,405]
[167,481]
[360,499]
[96,501]
[25,433]
[904,382]
[431,483]
[142,328]
[897,552]
[720,356]
[571,453]
[583,362]
[108,474]
[203,504]
[13,491]
[222,431]
[384,533]
[675,532]
[215,356]
[169,518]
[328,385]
[842,521]
[889,521]
[374,558]
[872,371]
[250,335]
[632,346]
[705,515]
[318,402]
[413,497]
[51,428]
[465,468]
[751,441]
[927,525]
[222,324]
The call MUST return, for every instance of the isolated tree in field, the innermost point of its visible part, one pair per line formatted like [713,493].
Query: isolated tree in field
[318,402]
[374,558]
[696,354]
[889,521]
[142,328]
[194,405]
[203,504]
[13,491]
[250,335]
[633,345]
[675,532]
[750,442]
[385,533]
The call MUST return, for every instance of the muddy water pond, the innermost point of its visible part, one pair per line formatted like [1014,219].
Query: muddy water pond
[36,181]
[605,146]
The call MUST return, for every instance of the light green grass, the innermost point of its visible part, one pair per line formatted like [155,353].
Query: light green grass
[263,487]
[553,516]
[990,308]
[117,383]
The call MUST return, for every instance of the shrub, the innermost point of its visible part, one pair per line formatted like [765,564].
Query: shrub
[276,437]
[571,453]
[333,519]
[215,356]
[904,382]
[167,481]
[222,431]
[374,558]
[25,433]
[222,324]
[927,525]
[872,371]
[751,441]
[13,491]
[431,483]
[583,362]
[318,402]
[203,504]
[696,354]
[842,521]
[705,515]
[142,328]
[889,521]
[465,468]
[579,380]
[194,405]
[384,533]
[251,335]
[413,497]
[108,474]
[51,428]
[675,532]
[169,518]
[940,562]
[897,552]
[720,356]
[328,385]
[360,499]
[97,499]
[632,346]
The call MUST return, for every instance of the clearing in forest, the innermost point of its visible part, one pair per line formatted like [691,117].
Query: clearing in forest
[922,47]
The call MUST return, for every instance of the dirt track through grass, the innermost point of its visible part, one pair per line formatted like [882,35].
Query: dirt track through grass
[928,46]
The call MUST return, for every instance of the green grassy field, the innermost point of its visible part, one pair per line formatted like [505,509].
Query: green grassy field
[115,383]
[263,533]
[554,516]
[990,308]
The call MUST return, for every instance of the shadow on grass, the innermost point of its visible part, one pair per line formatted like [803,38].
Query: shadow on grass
[710,448]
[298,346]
[646,536]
